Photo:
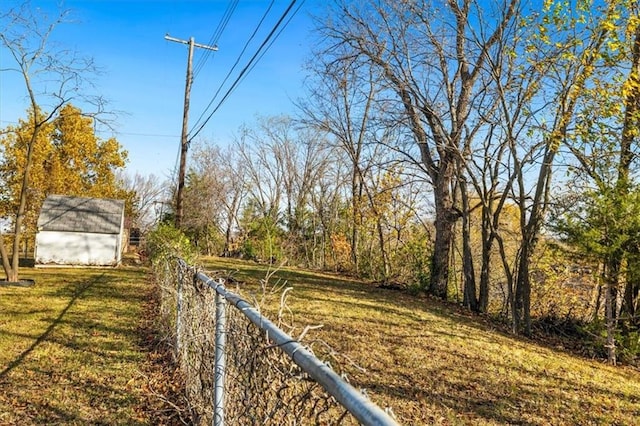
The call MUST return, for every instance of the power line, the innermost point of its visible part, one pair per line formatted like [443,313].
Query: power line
[118,133]
[246,45]
[295,12]
[250,65]
[215,37]
[151,135]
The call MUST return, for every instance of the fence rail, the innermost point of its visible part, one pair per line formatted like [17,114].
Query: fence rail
[241,368]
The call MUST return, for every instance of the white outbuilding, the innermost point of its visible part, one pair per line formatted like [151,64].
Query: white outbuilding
[80,231]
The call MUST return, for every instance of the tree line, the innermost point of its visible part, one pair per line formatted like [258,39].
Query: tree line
[448,144]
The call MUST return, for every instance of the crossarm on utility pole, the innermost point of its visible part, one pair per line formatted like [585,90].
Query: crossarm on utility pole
[201,46]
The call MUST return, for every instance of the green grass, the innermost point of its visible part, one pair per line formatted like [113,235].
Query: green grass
[435,364]
[71,348]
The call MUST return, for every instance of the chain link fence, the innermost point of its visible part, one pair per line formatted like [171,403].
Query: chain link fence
[239,368]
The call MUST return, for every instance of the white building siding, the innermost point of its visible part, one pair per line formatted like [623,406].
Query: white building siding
[80,231]
[77,248]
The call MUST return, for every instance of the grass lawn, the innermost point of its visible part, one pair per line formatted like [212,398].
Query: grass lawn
[71,348]
[73,351]
[434,364]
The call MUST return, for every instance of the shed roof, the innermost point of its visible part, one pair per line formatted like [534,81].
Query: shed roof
[79,214]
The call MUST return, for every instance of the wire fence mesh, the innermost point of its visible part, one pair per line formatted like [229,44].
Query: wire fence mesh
[263,384]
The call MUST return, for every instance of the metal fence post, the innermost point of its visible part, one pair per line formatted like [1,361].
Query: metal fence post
[179,310]
[221,332]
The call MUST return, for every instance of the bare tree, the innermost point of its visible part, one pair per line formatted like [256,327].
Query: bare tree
[432,67]
[216,191]
[147,192]
[283,162]
[265,175]
[326,200]
[233,174]
[342,102]
[305,156]
[52,78]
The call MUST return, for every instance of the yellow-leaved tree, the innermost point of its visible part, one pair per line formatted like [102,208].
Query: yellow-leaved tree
[52,78]
[67,158]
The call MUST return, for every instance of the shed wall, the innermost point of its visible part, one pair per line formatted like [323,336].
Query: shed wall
[77,248]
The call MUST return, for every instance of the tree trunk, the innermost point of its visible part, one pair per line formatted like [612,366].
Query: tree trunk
[469,299]
[627,155]
[6,265]
[530,230]
[444,222]
[226,250]
[440,261]
[509,275]
[609,301]
[356,190]
[12,273]
[632,290]
[383,251]
[522,288]
[487,244]
[598,293]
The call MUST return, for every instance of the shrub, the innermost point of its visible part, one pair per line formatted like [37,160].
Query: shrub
[627,342]
[166,242]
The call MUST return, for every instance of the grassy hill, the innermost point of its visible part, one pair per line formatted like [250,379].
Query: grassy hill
[435,364]
[72,351]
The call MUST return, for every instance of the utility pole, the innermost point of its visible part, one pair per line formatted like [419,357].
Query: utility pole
[184,143]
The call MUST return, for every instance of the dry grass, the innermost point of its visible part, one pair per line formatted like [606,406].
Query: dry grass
[72,351]
[434,364]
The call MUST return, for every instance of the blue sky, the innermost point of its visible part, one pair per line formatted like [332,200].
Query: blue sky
[144,75]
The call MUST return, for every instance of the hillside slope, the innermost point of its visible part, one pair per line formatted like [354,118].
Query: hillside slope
[433,364]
